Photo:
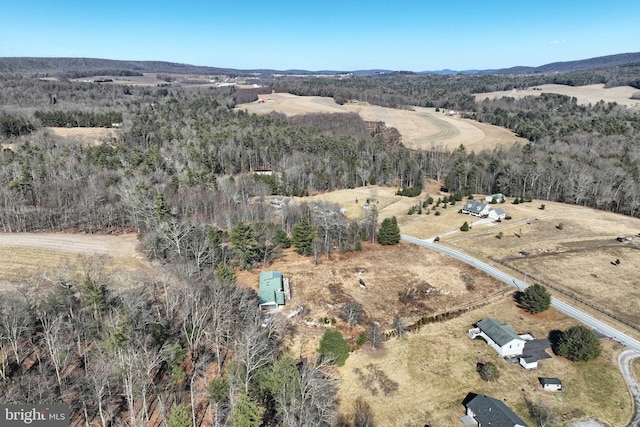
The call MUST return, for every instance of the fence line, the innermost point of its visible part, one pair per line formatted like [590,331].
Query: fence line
[450,313]
[569,294]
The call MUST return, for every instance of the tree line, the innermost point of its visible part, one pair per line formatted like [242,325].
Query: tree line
[78,118]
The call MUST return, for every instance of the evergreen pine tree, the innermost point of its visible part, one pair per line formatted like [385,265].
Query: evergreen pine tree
[282,240]
[389,233]
[536,299]
[160,207]
[334,346]
[243,239]
[224,273]
[302,237]
[579,344]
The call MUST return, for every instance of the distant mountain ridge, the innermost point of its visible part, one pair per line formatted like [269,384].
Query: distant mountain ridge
[79,67]
[583,64]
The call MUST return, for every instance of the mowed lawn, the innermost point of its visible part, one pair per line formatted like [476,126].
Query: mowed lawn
[435,368]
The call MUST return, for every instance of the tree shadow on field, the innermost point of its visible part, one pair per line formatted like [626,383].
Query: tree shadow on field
[517,298]
[555,336]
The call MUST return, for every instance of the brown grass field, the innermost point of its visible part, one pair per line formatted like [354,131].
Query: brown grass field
[88,136]
[576,259]
[585,94]
[435,284]
[30,257]
[435,366]
[421,128]
[435,369]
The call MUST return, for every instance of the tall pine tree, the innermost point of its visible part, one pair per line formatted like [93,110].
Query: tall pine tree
[302,237]
[389,233]
[243,239]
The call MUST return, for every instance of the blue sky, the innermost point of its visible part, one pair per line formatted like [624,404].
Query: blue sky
[324,35]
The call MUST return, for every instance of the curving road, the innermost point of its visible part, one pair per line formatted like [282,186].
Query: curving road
[625,357]
[624,360]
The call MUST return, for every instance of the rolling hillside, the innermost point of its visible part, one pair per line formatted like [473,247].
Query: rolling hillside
[79,67]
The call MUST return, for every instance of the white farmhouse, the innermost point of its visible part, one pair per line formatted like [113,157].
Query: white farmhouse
[497,213]
[500,337]
[475,208]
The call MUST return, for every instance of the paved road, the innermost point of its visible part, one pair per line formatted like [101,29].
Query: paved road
[625,358]
[559,305]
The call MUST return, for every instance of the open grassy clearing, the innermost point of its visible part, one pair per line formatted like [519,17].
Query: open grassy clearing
[590,94]
[433,283]
[88,136]
[421,128]
[577,259]
[435,369]
[29,257]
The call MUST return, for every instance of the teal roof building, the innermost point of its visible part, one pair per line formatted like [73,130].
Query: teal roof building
[271,290]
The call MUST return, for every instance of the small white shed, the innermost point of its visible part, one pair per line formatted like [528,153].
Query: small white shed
[551,384]
[529,362]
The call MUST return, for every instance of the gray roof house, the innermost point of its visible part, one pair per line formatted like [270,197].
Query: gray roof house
[497,213]
[490,412]
[500,337]
[475,208]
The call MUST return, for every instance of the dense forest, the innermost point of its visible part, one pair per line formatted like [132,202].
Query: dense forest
[181,174]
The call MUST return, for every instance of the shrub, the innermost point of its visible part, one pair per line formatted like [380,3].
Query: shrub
[410,192]
[362,339]
[465,226]
[488,371]
[334,346]
[542,206]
